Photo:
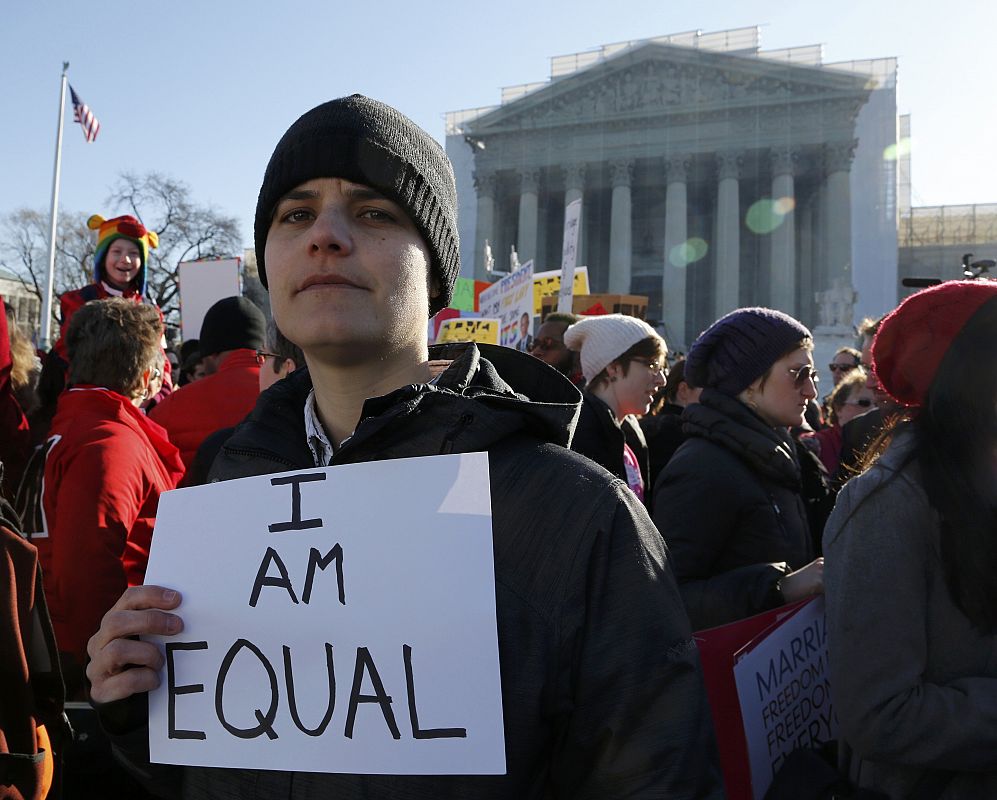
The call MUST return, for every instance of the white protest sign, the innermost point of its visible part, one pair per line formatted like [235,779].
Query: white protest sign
[784,690]
[335,620]
[511,300]
[569,254]
[202,284]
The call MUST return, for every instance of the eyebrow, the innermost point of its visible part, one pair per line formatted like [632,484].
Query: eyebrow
[353,192]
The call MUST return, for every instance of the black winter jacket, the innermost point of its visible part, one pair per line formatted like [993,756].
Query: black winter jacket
[601,686]
[730,509]
[600,437]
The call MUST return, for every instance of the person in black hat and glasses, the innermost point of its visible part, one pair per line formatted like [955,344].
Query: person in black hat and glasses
[356,240]
[729,501]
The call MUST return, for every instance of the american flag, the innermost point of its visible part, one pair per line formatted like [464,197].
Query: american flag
[83,115]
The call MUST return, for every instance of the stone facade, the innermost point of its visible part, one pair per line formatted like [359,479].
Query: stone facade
[709,179]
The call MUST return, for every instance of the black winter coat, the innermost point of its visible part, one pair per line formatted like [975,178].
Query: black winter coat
[601,686]
[599,437]
[730,509]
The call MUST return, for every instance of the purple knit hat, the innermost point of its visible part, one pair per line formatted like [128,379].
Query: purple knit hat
[740,347]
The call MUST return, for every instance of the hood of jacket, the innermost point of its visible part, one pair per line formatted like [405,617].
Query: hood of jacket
[486,394]
[729,423]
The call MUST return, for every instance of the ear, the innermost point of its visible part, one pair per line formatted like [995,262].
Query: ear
[435,290]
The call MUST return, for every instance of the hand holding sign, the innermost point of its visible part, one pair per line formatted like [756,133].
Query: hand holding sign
[120,665]
[320,628]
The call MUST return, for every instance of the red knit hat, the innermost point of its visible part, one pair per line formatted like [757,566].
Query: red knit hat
[915,336]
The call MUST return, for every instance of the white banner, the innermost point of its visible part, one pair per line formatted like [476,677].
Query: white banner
[511,300]
[202,284]
[335,620]
[569,254]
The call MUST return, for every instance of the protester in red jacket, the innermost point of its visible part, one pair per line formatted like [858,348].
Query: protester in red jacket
[231,333]
[106,466]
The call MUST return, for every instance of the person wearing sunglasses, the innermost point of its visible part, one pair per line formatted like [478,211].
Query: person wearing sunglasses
[729,502]
[623,360]
[844,361]
[850,398]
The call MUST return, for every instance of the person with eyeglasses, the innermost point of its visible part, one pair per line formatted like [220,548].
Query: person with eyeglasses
[729,502]
[844,361]
[850,398]
[623,360]
[548,345]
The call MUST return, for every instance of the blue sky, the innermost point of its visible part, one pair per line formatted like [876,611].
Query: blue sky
[202,91]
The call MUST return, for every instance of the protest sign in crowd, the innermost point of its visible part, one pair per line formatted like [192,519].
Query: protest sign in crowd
[312,555]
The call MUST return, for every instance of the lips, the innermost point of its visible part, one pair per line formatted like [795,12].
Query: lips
[323,281]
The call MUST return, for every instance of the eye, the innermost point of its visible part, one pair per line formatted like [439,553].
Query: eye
[296,215]
[376,214]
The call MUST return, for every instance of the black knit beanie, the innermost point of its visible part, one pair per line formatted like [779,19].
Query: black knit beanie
[230,324]
[366,142]
[740,347]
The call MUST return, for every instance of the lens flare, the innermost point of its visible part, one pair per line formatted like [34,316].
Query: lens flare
[689,252]
[765,215]
[895,152]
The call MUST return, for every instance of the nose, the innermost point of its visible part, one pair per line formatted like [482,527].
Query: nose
[659,378]
[331,233]
[809,388]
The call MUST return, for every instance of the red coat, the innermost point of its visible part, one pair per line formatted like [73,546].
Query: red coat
[106,467]
[73,301]
[220,400]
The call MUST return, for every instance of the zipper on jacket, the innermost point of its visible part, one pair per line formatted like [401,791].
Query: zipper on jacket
[246,451]
[448,441]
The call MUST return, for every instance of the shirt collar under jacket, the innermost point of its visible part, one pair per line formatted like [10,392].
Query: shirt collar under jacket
[318,441]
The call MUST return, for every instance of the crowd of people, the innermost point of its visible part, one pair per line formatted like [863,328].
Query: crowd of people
[636,497]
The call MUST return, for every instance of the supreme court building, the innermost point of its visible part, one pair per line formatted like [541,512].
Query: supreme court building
[712,174]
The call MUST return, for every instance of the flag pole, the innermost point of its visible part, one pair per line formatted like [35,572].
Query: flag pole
[46,333]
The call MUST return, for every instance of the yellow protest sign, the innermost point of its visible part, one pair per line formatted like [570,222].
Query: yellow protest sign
[483,331]
[548,284]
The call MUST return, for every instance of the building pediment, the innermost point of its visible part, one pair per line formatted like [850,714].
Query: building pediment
[660,80]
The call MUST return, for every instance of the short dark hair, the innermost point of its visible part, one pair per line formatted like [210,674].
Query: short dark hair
[280,345]
[563,317]
[112,342]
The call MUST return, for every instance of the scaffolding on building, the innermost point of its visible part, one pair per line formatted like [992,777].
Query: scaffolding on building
[926,226]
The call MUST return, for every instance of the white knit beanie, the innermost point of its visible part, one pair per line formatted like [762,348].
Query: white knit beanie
[603,339]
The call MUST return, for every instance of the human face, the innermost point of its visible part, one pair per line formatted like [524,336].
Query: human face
[858,402]
[634,392]
[348,272]
[840,366]
[781,400]
[548,345]
[122,263]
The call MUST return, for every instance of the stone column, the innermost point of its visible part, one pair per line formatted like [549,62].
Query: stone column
[620,227]
[728,239]
[484,185]
[676,234]
[526,246]
[838,214]
[574,189]
[782,268]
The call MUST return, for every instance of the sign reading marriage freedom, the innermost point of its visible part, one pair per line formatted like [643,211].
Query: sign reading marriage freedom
[335,620]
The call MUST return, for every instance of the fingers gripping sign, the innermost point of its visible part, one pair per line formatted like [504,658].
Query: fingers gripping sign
[120,664]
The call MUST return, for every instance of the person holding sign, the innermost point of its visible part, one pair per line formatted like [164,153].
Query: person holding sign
[912,560]
[601,687]
[728,503]
[623,360]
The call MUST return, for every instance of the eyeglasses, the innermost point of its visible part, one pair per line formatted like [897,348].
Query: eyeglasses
[864,402]
[545,343]
[803,374]
[653,366]
[263,355]
[841,367]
